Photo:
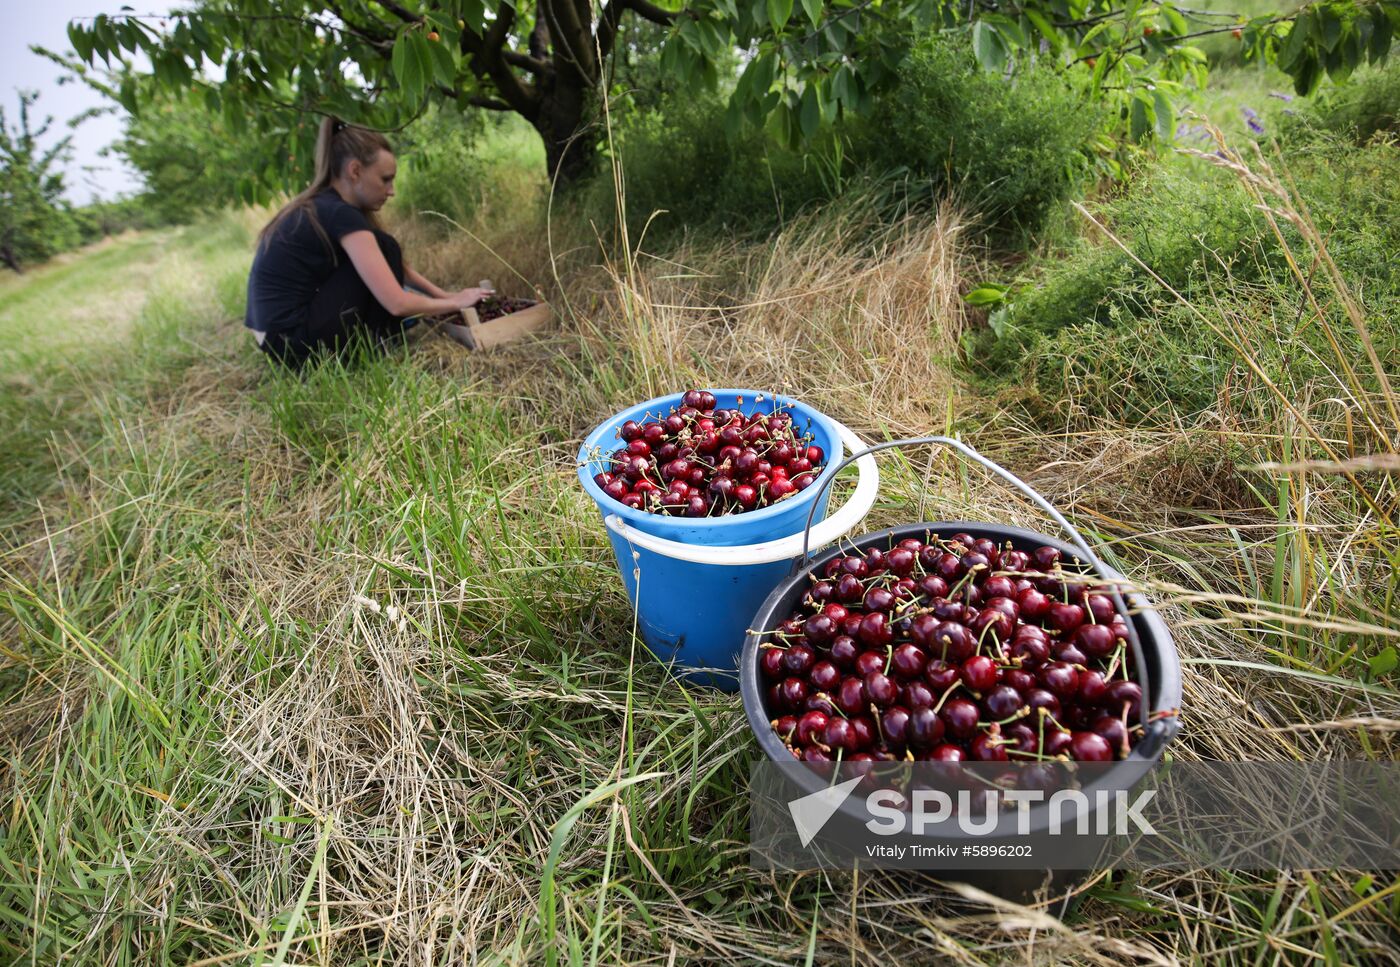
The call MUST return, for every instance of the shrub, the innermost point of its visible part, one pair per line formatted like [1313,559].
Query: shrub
[1012,147]
[677,159]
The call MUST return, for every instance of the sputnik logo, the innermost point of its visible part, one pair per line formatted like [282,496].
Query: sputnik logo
[811,813]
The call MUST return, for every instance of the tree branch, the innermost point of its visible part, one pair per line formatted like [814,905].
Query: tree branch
[573,45]
[539,39]
[524,61]
[650,11]
[500,28]
[477,100]
[487,61]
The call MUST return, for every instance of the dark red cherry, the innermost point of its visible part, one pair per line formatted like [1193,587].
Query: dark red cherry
[1093,690]
[1056,742]
[819,629]
[1096,641]
[1002,702]
[824,676]
[1090,747]
[875,629]
[844,651]
[901,561]
[870,661]
[894,721]
[952,642]
[1018,678]
[1015,560]
[1113,732]
[925,727]
[839,735]
[1059,678]
[946,753]
[1034,605]
[851,697]
[979,673]
[908,661]
[771,660]
[879,599]
[1124,694]
[881,689]
[961,717]
[933,586]
[1064,617]
[916,695]
[987,747]
[810,727]
[799,659]
[792,692]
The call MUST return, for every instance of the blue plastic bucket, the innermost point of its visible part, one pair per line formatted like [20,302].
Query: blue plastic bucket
[696,616]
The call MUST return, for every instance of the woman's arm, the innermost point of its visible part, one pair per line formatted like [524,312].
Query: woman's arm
[365,255]
[420,282]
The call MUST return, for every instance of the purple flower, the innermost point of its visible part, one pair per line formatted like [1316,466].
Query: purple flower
[1255,126]
[1251,118]
[1281,95]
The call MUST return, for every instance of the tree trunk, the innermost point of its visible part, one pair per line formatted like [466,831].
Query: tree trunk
[8,256]
[570,136]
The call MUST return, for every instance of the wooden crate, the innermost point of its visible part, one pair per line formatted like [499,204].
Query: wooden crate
[478,335]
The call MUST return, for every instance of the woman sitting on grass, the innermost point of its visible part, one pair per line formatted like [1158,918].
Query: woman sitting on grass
[324,269]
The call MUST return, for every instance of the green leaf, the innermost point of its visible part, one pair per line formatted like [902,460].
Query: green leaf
[1139,122]
[1046,28]
[1341,60]
[989,47]
[1295,43]
[997,320]
[1306,75]
[986,294]
[810,115]
[714,42]
[81,41]
[1379,44]
[444,65]
[1166,115]
[1331,31]
[1176,23]
[417,64]
[1385,662]
[813,9]
[778,13]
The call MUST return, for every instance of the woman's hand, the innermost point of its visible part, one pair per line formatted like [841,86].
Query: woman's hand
[470,297]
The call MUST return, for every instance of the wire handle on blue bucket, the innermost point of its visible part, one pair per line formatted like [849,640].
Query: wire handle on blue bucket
[1118,603]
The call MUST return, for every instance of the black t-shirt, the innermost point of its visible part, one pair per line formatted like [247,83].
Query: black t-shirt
[295,262]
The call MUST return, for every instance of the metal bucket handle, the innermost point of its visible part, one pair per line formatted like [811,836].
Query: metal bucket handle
[1134,643]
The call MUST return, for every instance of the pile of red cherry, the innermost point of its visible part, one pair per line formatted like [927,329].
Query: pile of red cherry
[701,461]
[953,650]
[493,307]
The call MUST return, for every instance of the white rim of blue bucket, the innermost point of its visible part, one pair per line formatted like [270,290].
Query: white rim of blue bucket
[784,548]
[626,513]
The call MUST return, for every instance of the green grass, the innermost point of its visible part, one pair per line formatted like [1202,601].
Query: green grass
[337,668]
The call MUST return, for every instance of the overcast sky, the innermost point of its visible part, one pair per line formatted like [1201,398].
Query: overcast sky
[45,22]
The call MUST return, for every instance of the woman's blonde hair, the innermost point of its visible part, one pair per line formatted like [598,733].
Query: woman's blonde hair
[337,144]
